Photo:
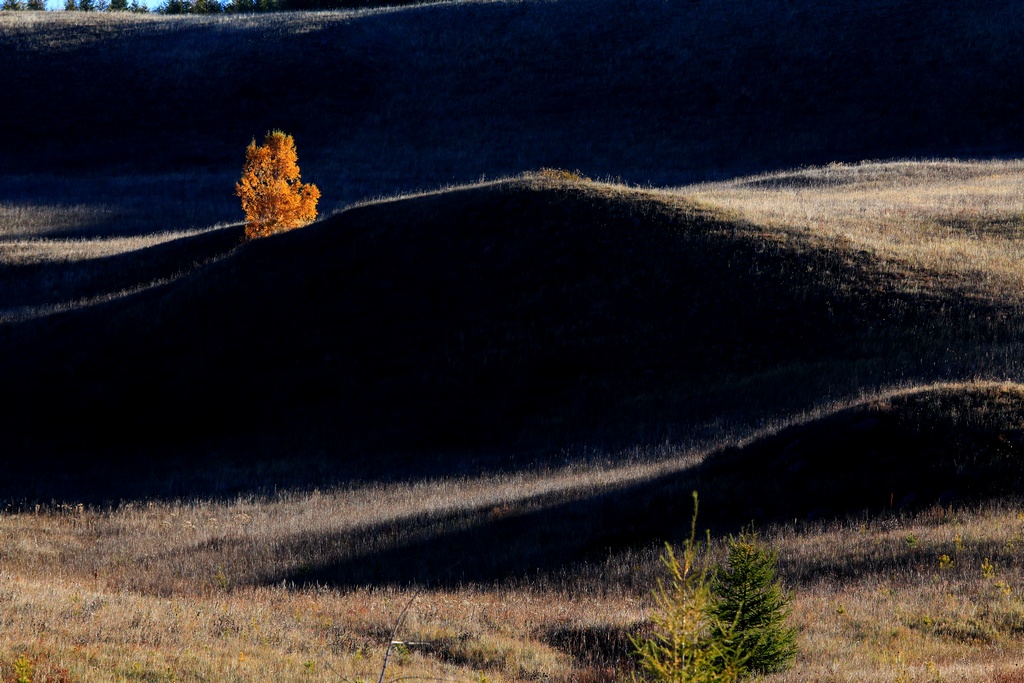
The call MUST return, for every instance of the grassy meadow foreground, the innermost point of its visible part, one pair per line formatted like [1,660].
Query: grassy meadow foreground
[165,592]
[860,413]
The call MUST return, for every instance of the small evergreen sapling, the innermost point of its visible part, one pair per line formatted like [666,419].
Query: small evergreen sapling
[681,650]
[717,625]
[750,609]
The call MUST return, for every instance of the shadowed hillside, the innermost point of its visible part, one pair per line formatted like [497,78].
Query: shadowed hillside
[394,100]
[525,316]
[545,574]
[938,447]
[42,275]
[930,447]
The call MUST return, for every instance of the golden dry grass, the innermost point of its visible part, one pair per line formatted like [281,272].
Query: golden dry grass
[251,540]
[123,595]
[940,226]
[908,599]
[152,592]
[30,251]
[183,590]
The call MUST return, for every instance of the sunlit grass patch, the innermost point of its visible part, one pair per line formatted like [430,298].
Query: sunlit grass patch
[948,226]
[906,613]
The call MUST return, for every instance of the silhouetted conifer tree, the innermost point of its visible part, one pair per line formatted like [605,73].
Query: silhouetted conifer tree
[207,7]
[175,7]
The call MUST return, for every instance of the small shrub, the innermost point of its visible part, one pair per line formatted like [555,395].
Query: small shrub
[273,197]
[721,625]
[24,670]
[681,649]
[750,609]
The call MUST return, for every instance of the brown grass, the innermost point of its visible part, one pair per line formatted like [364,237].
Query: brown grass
[183,590]
[908,598]
[124,594]
[151,591]
[948,226]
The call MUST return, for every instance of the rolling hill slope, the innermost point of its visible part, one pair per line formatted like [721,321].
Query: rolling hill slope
[494,399]
[395,100]
[524,316]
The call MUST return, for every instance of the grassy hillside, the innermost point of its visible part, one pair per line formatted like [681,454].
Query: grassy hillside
[400,99]
[509,321]
[540,573]
[493,388]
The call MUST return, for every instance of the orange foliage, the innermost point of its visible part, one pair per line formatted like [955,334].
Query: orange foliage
[273,198]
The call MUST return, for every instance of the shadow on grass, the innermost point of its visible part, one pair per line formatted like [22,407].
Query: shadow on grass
[516,320]
[63,282]
[944,446]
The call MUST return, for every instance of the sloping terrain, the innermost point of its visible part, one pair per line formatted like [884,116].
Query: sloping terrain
[395,100]
[546,573]
[491,402]
[518,317]
[939,447]
[38,276]
[943,445]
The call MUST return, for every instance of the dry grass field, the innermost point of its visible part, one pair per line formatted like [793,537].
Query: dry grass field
[485,391]
[541,571]
[161,591]
[960,222]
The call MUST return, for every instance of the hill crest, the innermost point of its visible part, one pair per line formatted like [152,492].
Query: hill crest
[524,316]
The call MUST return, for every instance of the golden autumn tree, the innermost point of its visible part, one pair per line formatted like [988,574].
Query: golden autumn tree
[273,197]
